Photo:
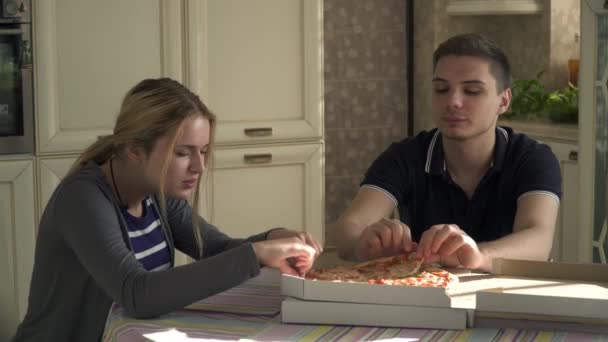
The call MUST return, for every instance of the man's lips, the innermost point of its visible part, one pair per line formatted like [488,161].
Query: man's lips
[453,119]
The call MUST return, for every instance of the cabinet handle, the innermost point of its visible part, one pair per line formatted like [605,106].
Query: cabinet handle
[258,132]
[573,155]
[261,158]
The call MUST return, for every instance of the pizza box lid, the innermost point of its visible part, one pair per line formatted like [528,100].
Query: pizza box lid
[546,288]
[355,292]
[382,315]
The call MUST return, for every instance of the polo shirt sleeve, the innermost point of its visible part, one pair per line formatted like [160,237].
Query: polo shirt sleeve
[539,173]
[389,173]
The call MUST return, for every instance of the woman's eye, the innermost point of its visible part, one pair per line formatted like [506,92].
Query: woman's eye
[181,153]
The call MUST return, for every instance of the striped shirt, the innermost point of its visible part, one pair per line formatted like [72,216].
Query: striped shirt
[147,238]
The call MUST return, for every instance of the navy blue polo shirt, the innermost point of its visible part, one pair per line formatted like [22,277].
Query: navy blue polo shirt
[413,174]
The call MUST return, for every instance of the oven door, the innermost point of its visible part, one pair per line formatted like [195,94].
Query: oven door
[16,90]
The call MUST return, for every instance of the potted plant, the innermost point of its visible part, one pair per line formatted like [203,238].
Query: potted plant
[562,105]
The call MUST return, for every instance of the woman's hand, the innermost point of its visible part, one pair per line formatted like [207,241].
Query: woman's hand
[283,233]
[291,255]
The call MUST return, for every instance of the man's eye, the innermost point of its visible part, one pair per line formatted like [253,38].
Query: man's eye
[441,90]
[472,92]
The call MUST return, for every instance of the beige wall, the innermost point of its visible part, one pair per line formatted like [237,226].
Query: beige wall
[533,43]
[365,91]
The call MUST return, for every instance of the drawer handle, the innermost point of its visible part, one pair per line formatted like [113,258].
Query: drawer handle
[258,132]
[261,158]
[573,155]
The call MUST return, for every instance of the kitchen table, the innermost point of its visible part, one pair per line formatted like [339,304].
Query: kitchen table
[251,312]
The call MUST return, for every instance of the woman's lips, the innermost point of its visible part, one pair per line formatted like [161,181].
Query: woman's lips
[189,183]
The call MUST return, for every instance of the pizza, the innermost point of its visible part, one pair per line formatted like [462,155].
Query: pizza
[404,270]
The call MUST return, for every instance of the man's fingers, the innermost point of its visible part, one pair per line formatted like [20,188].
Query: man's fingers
[426,240]
[397,238]
[443,233]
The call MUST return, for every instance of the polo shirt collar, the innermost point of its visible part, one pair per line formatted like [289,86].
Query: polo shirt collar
[435,162]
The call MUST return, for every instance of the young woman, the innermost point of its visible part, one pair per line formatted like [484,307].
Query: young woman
[110,229]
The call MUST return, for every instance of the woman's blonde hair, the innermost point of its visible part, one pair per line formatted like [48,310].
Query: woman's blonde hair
[151,109]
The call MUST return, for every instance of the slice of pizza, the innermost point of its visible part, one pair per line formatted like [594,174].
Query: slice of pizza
[403,270]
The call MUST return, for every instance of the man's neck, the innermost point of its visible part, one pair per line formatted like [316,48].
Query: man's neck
[468,160]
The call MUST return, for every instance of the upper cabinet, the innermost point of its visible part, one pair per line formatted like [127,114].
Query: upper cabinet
[493,7]
[258,66]
[88,54]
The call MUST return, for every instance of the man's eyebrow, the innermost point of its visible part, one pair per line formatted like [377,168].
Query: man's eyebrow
[439,79]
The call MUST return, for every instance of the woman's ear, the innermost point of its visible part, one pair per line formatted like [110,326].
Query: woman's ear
[136,153]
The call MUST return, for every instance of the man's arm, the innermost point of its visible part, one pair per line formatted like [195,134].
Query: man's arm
[368,206]
[532,236]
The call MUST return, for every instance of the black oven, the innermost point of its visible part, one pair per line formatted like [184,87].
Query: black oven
[16,83]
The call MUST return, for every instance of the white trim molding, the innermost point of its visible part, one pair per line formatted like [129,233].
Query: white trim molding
[493,7]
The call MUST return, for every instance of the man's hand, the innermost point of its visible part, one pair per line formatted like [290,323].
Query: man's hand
[306,237]
[383,238]
[450,246]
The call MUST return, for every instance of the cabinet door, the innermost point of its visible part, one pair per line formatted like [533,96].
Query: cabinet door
[17,241]
[254,189]
[51,171]
[88,54]
[566,241]
[258,65]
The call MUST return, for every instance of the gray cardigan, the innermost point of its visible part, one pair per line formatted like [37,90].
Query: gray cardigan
[83,262]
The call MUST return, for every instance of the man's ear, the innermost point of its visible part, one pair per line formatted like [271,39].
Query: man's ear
[136,152]
[505,101]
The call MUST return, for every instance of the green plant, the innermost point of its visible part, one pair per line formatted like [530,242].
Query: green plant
[530,102]
[529,98]
[562,105]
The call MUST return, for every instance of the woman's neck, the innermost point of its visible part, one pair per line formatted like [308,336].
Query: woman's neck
[125,185]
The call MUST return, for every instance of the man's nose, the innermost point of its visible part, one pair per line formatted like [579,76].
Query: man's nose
[455,99]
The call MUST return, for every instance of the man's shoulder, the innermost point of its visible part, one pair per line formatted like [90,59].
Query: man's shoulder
[525,149]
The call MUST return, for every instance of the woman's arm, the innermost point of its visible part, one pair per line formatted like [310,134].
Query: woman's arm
[90,227]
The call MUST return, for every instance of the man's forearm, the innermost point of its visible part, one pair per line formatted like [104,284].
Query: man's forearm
[528,244]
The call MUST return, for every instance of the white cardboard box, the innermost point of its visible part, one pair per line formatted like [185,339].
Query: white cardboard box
[558,291]
[352,292]
[381,315]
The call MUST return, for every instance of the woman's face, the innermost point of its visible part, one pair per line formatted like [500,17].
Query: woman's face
[187,161]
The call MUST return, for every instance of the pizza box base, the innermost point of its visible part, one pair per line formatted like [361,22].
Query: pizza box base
[501,320]
[378,315]
[351,292]
[576,291]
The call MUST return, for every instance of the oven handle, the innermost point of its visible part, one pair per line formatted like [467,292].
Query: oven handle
[12,32]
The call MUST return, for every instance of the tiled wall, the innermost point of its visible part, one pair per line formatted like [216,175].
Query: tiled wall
[533,43]
[365,91]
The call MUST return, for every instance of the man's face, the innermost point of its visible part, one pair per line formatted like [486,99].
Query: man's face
[466,103]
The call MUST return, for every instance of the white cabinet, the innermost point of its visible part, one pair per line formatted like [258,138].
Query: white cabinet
[259,66]
[17,240]
[252,189]
[51,171]
[566,240]
[593,123]
[88,54]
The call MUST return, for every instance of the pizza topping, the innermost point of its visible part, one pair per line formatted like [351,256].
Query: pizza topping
[404,270]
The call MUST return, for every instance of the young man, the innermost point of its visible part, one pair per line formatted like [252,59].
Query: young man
[468,191]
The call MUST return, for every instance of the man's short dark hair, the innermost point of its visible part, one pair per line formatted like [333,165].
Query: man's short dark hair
[476,45]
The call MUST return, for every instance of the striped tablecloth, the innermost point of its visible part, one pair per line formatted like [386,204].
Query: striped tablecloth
[250,312]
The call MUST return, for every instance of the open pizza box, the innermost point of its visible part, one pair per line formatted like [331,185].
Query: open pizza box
[545,292]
